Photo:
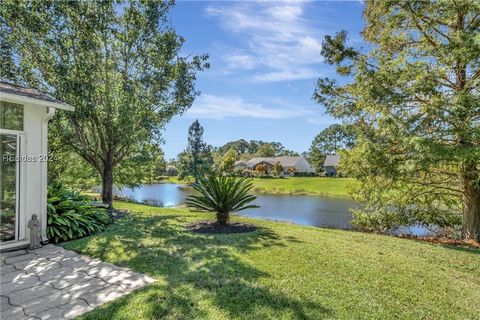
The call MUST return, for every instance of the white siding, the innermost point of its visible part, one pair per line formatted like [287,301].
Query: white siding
[33,172]
[35,193]
[302,165]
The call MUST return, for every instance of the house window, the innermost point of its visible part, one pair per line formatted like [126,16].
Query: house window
[11,116]
[8,187]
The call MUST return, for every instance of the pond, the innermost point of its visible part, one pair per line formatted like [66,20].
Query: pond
[304,210]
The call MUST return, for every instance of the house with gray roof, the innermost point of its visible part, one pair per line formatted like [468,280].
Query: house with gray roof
[331,164]
[289,164]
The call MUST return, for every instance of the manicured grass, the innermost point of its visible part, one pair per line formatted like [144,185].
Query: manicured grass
[281,271]
[336,187]
[175,179]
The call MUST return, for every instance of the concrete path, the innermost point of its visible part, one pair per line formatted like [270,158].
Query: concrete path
[54,283]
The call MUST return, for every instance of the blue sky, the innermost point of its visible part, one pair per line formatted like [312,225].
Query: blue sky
[265,60]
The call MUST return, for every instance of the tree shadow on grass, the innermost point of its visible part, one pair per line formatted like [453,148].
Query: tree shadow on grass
[462,248]
[195,270]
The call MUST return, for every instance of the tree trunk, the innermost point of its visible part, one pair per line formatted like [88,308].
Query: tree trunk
[222,218]
[107,184]
[471,204]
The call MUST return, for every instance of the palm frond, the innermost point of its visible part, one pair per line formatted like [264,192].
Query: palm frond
[222,194]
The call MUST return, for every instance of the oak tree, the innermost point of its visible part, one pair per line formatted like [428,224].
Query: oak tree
[117,62]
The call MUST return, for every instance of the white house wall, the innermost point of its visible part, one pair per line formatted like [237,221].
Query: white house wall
[302,165]
[35,174]
[32,188]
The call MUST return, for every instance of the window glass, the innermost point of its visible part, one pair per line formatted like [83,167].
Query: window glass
[8,187]
[11,116]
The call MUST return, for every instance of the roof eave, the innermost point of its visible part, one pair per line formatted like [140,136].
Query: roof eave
[23,99]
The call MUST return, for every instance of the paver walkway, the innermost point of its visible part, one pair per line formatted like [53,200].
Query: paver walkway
[54,283]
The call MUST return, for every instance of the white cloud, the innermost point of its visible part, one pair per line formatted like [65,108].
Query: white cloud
[286,75]
[241,61]
[278,39]
[215,107]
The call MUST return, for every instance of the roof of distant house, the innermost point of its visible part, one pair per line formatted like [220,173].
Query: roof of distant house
[28,95]
[241,162]
[332,160]
[285,161]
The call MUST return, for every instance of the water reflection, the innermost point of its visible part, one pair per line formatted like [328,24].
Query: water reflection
[304,210]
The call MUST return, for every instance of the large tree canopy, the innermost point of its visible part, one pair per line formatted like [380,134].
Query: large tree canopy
[252,147]
[334,138]
[414,100]
[117,62]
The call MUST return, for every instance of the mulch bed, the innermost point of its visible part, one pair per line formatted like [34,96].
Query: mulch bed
[447,241]
[115,214]
[212,227]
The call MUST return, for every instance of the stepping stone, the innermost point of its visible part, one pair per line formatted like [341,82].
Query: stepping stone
[4,305]
[86,288]
[59,256]
[9,254]
[129,282]
[6,269]
[72,259]
[40,291]
[69,280]
[102,269]
[17,275]
[38,267]
[13,313]
[118,277]
[49,274]
[12,260]
[26,282]
[36,306]
[20,265]
[104,295]
[84,267]
[48,249]
[70,310]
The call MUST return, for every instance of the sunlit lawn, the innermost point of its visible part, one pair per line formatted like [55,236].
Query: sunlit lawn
[337,187]
[305,185]
[281,271]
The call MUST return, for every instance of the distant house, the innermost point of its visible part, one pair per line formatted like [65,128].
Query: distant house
[331,164]
[289,164]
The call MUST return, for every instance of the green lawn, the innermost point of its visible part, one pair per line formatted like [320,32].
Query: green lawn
[281,271]
[337,187]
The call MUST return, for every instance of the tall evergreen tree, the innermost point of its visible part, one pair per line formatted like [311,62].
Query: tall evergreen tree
[334,138]
[414,92]
[196,161]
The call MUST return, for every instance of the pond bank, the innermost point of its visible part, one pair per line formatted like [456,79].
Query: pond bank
[312,186]
[317,211]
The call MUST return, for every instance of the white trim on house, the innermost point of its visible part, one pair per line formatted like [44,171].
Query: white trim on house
[15,98]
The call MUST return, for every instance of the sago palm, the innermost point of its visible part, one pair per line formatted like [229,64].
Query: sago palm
[222,195]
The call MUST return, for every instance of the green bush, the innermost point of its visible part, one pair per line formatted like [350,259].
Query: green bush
[305,174]
[71,215]
[222,195]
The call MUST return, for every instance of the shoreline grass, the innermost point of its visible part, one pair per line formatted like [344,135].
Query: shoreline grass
[313,186]
[280,271]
